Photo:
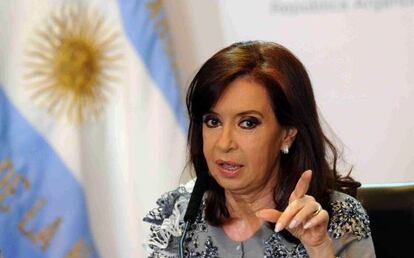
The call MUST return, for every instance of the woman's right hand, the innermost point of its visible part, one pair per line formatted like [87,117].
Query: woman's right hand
[304,218]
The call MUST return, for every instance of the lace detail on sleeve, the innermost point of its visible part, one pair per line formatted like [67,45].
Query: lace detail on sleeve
[348,216]
[166,223]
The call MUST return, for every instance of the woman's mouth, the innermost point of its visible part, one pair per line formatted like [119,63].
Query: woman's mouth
[228,168]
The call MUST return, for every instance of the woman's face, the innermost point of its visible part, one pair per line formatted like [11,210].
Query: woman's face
[242,138]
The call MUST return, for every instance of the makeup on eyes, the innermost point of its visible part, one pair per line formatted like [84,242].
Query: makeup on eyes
[211,120]
[247,120]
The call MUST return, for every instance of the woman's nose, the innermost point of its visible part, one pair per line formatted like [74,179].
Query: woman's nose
[226,141]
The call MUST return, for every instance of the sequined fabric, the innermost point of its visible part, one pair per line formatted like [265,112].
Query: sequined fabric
[348,216]
[274,247]
[166,220]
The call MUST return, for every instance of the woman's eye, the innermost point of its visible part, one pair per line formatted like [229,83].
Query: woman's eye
[249,123]
[211,122]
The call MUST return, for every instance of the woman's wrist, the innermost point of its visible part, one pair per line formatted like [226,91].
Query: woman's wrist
[323,250]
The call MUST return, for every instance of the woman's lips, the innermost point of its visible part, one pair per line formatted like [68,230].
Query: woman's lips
[228,168]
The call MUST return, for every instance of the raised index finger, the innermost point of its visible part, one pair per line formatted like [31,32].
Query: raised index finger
[302,186]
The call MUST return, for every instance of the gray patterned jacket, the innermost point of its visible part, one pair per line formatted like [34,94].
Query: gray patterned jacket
[348,228]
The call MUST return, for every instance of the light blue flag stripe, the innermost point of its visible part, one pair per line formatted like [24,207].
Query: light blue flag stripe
[144,35]
[50,179]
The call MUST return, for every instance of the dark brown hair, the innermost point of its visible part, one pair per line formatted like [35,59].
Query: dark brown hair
[293,102]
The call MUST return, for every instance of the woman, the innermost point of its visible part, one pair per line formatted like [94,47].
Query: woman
[271,185]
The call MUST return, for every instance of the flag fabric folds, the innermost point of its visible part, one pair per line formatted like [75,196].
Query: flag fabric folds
[92,128]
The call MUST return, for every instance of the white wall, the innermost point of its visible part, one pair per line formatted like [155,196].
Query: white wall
[359,53]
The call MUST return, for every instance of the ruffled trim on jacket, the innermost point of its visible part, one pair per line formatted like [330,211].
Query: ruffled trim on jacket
[167,222]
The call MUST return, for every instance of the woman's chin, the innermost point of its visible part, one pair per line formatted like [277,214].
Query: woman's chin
[231,183]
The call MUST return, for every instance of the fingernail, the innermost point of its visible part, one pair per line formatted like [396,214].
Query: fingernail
[307,225]
[293,224]
[278,227]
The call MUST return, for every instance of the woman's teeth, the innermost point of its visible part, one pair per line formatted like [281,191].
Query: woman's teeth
[230,166]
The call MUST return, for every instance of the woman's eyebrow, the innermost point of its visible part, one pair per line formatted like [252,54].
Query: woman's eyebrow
[211,112]
[244,113]
[249,112]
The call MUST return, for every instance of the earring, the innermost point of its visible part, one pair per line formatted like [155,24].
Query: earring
[285,149]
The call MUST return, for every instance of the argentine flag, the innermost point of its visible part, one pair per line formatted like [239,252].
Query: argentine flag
[92,127]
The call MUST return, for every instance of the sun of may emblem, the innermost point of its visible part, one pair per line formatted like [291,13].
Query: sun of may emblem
[72,62]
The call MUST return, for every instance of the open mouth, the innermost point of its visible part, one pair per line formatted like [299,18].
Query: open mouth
[228,168]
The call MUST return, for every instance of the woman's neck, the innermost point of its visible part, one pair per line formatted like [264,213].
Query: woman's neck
[242,208]
[246,205]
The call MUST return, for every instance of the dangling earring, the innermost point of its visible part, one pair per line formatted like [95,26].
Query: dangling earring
[285,149]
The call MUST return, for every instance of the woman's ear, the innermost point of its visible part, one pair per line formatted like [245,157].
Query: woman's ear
[288,139]
[289,136]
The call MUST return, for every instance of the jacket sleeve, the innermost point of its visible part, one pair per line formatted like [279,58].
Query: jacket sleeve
[349,228]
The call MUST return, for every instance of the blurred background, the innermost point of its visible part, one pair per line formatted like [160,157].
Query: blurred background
[92,116]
